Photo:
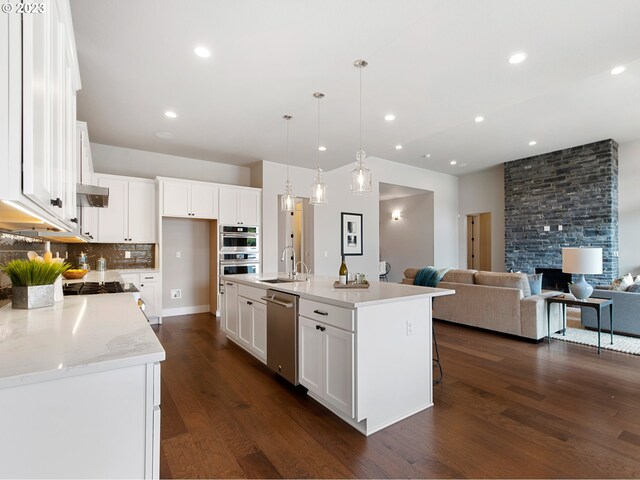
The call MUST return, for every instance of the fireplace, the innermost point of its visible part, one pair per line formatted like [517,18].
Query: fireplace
[554,279]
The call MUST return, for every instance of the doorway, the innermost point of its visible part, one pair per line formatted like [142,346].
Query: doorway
[296,229]
[479,241]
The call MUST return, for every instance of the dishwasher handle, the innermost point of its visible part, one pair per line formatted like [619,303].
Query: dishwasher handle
[278,302]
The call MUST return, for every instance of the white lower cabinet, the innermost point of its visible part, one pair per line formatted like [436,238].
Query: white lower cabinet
[326,360]
[96,425]
[230,316]
[246,324]
[150,291]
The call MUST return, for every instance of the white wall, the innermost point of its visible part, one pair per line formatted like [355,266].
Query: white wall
[479,193]
[140,163]
[629,206]
[407,242]
[190,272]
[327,217]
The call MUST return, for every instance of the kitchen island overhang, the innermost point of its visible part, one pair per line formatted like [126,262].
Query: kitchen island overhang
[384,373]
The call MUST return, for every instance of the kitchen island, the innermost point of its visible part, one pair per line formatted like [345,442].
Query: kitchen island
[365,354]
[79,390]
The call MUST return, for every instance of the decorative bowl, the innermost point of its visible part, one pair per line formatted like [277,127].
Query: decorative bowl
[74,274]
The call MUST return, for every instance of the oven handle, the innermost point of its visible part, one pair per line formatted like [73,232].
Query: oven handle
[239,235]
[278,302]
[239,262]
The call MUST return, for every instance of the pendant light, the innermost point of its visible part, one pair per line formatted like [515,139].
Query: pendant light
[361,175]
[318,189]
[288,200]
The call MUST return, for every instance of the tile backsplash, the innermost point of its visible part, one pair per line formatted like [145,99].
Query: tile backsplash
[142,255]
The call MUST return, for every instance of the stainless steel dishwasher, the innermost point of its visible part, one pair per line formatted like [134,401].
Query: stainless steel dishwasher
[282,334]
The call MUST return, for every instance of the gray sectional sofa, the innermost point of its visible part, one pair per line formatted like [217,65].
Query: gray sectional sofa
[626,312]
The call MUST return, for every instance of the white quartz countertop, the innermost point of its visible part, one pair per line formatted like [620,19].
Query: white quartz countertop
[82,334]
[320,288]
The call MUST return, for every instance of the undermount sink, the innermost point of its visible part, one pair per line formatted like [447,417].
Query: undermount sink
[278,280]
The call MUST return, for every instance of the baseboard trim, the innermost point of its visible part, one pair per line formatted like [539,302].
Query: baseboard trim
[172,312]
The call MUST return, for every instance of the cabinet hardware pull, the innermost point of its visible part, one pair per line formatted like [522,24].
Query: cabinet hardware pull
[322,329]
[230,284]
[148,278]
[317,327]
[56,202]
[320,312]
[249,303]
[74,220]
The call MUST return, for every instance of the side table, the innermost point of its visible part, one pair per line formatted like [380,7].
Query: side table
[596,303]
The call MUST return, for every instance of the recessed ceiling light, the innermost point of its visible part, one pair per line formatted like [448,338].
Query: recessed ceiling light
[163,134]
[426,155]
[389,117]
[170,114]
[453,162]
[618,70]
[322,148]
[202,52]
[532,143]
[479,119]
[398,147]
[517,58]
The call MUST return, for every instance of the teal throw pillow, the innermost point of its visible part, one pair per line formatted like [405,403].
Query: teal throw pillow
[535,283]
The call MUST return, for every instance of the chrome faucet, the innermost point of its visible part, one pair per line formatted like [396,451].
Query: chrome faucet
[292,273]
[308,272]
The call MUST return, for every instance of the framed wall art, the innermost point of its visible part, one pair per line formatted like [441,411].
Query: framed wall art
[351,233]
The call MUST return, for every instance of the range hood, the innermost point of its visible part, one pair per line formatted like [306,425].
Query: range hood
[92,196]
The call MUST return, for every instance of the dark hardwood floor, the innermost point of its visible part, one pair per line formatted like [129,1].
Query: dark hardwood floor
[506,408]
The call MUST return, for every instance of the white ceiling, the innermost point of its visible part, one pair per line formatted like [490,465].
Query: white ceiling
[434,64]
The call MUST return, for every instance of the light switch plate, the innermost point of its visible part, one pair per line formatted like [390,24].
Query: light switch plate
[547,228]
[127,254]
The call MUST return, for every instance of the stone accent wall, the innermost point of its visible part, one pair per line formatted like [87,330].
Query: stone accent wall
[576,188]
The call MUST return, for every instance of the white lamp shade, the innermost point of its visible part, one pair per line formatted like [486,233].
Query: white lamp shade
[587,261]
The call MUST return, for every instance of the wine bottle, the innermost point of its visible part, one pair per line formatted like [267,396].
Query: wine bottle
[343,273]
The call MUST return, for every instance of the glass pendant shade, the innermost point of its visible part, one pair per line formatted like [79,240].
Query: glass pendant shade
[288,199]
[360,176]
[318,190]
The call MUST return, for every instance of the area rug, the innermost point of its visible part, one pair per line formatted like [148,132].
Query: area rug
[621,343]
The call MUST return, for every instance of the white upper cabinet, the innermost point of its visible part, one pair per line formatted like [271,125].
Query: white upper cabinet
[239,206]
[131,214]
[87,216]
[183,198]
[50,80]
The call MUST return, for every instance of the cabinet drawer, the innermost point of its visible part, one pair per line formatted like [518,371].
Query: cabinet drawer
[331,315]
[149,277]
[252,293]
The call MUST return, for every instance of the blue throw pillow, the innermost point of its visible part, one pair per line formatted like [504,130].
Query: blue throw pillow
[535,283]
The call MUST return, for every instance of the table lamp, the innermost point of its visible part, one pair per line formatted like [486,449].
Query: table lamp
[582,261]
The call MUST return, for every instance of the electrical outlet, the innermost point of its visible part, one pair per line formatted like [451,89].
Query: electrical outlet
[559,228]
[127,254]
[547,228]
[178,254]
[176,293]
[409,328]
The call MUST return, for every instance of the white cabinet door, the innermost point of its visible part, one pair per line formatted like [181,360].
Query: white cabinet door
[142,212]
[228,207]
[175,202]
[338,369]
[245,322]
[204,201]
[310,355]
[231,307]
[259,343]
[37,175]
[149,291]
[56,90]
[113,220]
[248,207]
